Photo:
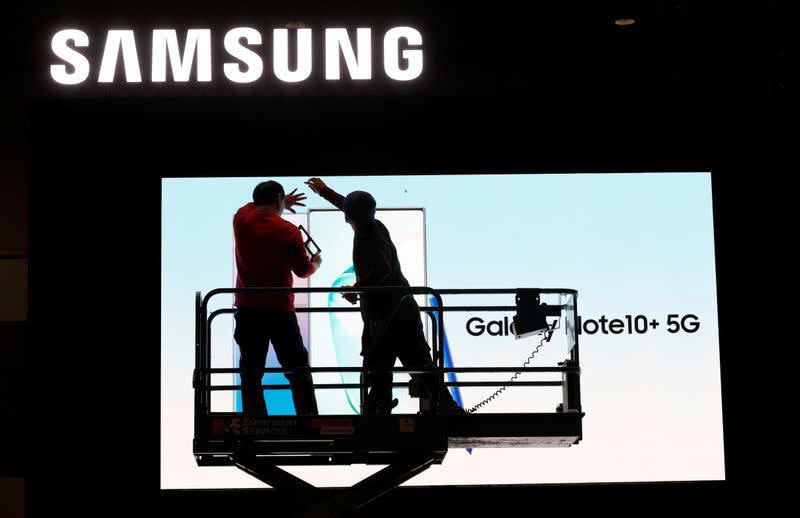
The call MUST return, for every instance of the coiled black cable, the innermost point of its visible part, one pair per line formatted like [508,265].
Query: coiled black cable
[513,378]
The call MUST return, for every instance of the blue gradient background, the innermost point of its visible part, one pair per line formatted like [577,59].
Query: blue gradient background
[630,243]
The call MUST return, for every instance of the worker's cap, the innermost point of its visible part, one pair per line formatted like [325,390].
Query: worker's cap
[359,207]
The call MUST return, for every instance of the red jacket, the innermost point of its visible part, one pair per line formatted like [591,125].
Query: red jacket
[268,250]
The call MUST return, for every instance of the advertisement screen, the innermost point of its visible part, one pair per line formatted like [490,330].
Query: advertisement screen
[637,247]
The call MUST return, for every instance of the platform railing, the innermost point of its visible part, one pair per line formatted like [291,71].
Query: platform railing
[570,368]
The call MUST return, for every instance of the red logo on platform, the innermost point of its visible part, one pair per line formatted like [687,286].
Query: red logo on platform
[217,426]
[324,422]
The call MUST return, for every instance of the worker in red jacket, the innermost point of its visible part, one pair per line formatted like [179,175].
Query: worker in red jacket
[268,250]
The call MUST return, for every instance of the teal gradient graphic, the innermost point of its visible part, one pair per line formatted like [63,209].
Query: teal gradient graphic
[346,329]
[346,332]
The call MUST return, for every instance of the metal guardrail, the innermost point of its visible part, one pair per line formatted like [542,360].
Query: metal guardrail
[203,371]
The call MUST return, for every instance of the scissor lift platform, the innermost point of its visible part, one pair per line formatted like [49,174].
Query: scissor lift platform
[406,443]
[347,439]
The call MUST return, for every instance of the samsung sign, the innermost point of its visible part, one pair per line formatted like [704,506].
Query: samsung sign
[190,60]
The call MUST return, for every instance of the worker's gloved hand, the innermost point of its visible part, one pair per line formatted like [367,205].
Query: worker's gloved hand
[352,298]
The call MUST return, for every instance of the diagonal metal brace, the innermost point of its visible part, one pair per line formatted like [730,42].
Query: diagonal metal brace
[372,487]
[266,471]
[343,501]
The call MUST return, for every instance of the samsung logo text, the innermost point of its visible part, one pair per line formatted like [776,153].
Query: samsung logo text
[190,59]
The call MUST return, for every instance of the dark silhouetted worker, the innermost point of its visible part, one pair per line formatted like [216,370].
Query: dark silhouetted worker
[376,263]
[268,250]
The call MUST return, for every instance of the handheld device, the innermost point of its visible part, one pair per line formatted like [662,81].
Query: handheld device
[311,245]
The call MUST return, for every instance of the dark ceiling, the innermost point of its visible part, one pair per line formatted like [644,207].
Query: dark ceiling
[677,46]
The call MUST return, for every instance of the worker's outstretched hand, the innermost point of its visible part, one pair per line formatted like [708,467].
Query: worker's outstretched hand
[293,199]
[315,184]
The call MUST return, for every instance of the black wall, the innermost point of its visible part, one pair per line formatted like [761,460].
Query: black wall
[580,98]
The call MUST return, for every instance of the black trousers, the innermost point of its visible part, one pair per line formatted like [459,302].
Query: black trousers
[403,339]
[255,329]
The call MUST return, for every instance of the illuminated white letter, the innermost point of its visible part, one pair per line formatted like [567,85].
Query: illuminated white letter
[391,60]
[360,67]
[74,58]
[114,40]
[280,60]
[197,40]
[251,60]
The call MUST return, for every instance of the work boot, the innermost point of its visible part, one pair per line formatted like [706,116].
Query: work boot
[382,407]
[454,409]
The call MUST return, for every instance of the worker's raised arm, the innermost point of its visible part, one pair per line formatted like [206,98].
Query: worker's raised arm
[318,186]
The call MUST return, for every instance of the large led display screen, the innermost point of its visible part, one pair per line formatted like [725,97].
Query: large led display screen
[638,248]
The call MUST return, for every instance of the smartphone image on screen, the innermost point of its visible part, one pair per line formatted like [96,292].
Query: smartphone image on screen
[337,335]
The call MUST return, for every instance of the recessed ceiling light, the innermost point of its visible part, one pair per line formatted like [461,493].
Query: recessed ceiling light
[623,22]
